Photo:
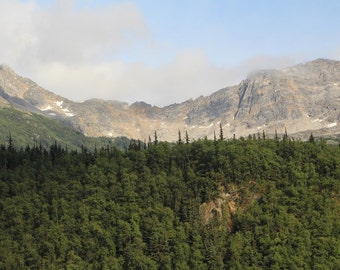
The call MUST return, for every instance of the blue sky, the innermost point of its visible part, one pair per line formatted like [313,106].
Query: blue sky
[161,52]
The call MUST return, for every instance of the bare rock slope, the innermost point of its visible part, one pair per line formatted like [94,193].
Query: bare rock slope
[305,97]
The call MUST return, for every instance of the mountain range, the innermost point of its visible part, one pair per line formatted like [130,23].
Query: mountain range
[300,100]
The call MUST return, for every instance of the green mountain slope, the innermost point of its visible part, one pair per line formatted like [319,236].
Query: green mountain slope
[252,203]
[27,128]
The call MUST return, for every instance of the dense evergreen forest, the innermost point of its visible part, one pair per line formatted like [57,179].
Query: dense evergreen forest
[249,203]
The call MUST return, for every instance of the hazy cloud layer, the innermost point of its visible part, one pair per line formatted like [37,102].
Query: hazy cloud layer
[188,75]
[74,36]
[80,53]
[18,35]
[64,33]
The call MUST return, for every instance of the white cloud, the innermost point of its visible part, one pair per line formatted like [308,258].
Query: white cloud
[190,74]
[69,35]
[187,76]
[17,35]
[64,33]
[74,52]
[81,82]
[267,62]
[263,62]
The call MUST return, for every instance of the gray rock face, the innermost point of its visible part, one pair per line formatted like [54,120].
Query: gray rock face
[305,97]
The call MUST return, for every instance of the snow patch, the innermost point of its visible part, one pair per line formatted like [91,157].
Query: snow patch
[68,113]
[262,127]
[332,125]
[48,107]
[59,103]
[65,110]
[206,126]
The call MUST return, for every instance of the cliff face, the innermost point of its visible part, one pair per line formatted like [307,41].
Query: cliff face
[305,97]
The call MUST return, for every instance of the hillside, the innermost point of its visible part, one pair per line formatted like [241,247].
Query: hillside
[26,128]
[238,204]
[301,99]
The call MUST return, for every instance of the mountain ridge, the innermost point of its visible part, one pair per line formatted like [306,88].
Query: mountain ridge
[304,97]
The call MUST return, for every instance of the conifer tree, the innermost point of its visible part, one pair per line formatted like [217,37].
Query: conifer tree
[10,142]
[179,137]
[155,137]
[149,143]
[187,140]
[221,132]
[285,136]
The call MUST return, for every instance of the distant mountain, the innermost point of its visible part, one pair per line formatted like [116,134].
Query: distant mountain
[301,99]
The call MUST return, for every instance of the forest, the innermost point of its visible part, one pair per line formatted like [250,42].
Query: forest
[247,203]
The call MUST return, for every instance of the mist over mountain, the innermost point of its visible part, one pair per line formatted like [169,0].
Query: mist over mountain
[301,99]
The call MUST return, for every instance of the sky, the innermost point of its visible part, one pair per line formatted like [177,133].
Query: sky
[160,52]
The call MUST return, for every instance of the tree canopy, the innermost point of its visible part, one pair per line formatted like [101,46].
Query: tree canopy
[252,203]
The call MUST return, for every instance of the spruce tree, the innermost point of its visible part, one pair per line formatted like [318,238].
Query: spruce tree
[155,137]
[187,140]
[179,137]
[221,132]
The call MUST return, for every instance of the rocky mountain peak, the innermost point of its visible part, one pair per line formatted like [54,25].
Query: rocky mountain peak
[304,97]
